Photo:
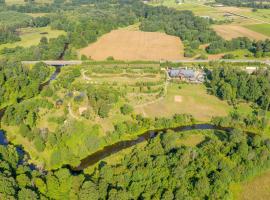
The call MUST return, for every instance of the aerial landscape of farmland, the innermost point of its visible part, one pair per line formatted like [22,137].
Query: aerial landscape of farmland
[134,99]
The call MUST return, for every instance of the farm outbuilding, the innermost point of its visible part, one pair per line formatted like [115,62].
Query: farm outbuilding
[182,73]
[190,75]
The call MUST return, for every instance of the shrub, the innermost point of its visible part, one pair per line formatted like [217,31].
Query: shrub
[126,109]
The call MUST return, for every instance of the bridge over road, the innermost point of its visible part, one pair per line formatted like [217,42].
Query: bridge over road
[54,62]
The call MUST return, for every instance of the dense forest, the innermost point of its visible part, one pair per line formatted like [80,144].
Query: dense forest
[259,48]
[233,84]
[18,82]
[159,170]
[262,4]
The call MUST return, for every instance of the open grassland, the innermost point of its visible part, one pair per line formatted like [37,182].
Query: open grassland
[257,188]
[261,15]
[233,31]
[135,45]
[260,28]
[195,7]
[216,13]
[32,36]
[194,100]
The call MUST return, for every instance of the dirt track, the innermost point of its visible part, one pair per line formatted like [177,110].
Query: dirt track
[135,45]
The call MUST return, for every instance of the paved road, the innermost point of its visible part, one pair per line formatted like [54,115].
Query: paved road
[221,60]
[78,62]
[54,62]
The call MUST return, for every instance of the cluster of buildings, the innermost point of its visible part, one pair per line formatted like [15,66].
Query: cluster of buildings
[187,75]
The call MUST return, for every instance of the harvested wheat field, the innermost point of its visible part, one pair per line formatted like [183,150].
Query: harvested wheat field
[135,45]
[233,31]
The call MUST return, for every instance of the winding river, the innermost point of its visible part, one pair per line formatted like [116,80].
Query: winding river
[114,148]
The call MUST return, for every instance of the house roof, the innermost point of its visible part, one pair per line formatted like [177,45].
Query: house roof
[185,72]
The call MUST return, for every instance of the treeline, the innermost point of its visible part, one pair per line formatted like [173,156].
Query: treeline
[262,4]
[54,49]
[259,48]
[254,122]
[18,82]
[191,29]
[234,84]
[11,21]
[161,169]
[92,22]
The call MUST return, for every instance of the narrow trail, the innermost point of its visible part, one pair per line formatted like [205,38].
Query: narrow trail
[84,76]
[71,113]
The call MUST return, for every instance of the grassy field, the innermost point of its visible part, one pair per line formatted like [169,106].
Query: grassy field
[194,100]
[135,45]
[195,7]
[257,188]
[253,32]
[260,28]
[260,14]
[32,36]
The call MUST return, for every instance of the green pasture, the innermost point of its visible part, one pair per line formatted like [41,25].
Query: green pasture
[260,28]
[32,36]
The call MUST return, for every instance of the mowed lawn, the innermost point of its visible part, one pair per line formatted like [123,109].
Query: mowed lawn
[260,28]
[190,99]
[32,36]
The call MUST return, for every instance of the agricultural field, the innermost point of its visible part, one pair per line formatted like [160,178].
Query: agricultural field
[32,36]
[260,28]
[260,16]
[239,19]
[135,45]
[229,32]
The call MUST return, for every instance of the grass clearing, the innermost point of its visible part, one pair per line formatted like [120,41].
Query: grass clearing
[195,101]
[32,36]
[257,188]
[260,28]
[190,140]
[135,45]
